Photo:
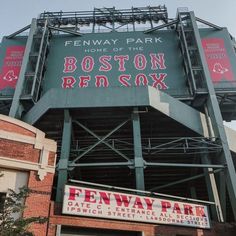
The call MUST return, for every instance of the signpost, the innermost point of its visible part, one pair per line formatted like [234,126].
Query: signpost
[83,201]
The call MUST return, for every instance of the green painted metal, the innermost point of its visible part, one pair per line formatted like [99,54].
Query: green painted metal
[120,97]
[18,32]
[105,97]
[104,164]
[173,22]
[162,44]
[213,193]
[166,164]
[222,193]
[138,156]
[16,107]
[40,64]
[178,111]
[185,180]
[100,140]
[62,167]
[217,121]
[212,190]
[64,30]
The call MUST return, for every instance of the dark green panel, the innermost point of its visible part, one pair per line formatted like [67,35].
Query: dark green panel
[134,45]
[220,57]
[11,56]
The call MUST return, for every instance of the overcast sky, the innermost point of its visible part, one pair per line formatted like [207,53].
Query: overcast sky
[15,14]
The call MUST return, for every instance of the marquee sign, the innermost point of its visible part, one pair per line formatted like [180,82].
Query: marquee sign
[83,201]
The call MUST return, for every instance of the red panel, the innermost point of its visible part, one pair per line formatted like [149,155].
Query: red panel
[11,66]
[218,60]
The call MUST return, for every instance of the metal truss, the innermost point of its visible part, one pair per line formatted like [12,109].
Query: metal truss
[153,146]
[100,140]
[108,18]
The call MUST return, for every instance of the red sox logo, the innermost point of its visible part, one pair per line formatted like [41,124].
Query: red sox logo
[218,68]
[10,76]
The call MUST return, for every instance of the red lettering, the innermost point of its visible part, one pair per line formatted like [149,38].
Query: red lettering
[138,203]
[123,79]
[159,81]
[68,82]
[165,205]
[157,61]
[122,199]
[200,211]
[140,62]
[87,64]
[106,66]
[83,83]
[188,210]
[90,196]
[121,59]
[149,203]
[74,192]
[141,79]
[101,81]
[69,64]
[105,197]
[176,209]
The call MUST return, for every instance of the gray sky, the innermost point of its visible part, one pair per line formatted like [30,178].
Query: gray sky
[15,14]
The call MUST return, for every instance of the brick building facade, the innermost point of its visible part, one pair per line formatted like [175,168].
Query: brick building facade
[27,158]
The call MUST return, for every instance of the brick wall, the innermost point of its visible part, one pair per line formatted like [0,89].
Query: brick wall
[56,218]
[25,148]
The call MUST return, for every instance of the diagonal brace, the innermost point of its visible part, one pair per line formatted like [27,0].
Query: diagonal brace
[185,180]
[101,140]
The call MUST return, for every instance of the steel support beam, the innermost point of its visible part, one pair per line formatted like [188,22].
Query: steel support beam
[16,107]
[161,26]
[138,156]
[217,121]
[212,190]
[103,164]
[165,164]
[62,167]
[208,23]
[183,180]
[18,32]
[100,140]
[65,30]
[222,187]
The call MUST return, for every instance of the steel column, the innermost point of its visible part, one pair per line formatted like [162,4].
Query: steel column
[212,190]
[138,156]
[16,107]
[222,187]
[217,121]
[64,158]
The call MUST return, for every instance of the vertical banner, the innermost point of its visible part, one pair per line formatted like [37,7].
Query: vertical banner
[218,60]
[11,66]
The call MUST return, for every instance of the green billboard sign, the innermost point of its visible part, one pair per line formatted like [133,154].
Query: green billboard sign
[121,59]
[116,60]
